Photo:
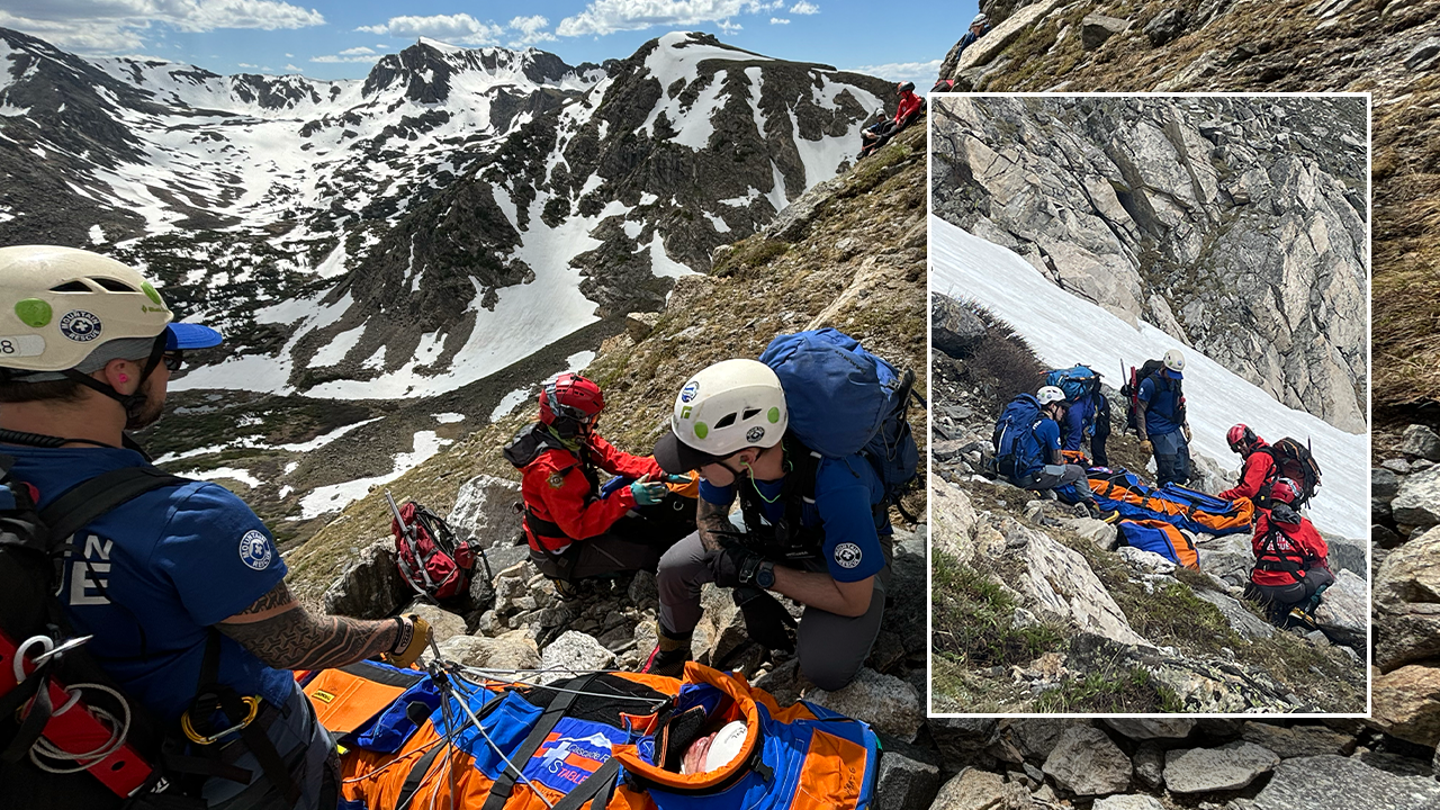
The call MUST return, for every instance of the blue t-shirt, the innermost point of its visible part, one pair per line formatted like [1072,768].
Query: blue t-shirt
[1162,406]
[845,491]
[155,573]
[1047,437]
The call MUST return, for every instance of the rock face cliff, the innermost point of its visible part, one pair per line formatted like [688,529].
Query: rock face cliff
[1236,225]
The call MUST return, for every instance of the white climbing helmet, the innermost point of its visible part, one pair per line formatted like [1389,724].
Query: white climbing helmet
[1174,360]
[59,304]
[980,19]
[1049,394]
[725,408]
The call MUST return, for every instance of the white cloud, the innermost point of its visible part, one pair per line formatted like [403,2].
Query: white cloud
[532,30]
[778,21]
[728,27]
[804,7]
[457,29]
[921,73]
[345,56]
[245,65]
[360,51]
[609,16]
[122,26]
[293,68]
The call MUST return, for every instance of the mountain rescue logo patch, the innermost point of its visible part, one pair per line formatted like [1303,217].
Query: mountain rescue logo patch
[755,434]
[255,550]
[570,753]
[848,555]
[689,392]
[556,480]
[80,326]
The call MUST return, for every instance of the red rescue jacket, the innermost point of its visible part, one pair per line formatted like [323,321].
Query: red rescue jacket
[1257,469]
[561,491]
[1283,551]
[909,103]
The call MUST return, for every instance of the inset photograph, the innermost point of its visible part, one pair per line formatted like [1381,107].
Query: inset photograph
[1149,391]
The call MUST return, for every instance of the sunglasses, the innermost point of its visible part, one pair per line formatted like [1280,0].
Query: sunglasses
[172,360]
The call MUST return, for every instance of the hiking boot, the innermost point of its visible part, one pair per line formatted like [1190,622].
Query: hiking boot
[669,656]
[1299,614]
[566,590]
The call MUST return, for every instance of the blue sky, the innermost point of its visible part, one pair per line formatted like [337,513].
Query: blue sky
[331,39]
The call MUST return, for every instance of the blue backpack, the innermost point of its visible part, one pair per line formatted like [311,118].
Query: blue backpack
[1076,381]
[844,400]
[1016,447]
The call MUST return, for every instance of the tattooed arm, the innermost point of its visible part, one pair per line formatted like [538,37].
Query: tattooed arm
[284,635]
[712,519]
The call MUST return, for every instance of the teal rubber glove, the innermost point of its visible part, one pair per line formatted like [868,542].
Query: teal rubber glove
[648,493]
[672,478]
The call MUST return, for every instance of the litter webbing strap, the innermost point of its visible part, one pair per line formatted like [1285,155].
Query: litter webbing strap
[500,791]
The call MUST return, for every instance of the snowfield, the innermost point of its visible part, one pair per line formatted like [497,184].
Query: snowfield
[1065,330]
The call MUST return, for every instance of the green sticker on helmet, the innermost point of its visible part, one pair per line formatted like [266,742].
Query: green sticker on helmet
[151,293]
[701,430]
[33,312]
[773,415]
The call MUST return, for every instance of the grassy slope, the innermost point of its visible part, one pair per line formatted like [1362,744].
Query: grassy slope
[860,267]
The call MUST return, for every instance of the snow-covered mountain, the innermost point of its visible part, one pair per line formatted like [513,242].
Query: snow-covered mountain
[419,230]
[1064,329]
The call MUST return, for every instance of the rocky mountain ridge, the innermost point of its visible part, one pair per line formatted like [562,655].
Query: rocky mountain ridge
[1235,225]
[418,248]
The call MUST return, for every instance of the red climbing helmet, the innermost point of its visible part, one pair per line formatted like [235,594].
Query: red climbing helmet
[1240,437]
[570,397]
[1284,491]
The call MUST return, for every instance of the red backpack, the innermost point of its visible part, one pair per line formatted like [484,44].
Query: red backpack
[426,552]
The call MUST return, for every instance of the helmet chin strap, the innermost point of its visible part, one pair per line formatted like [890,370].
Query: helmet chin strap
[132,403]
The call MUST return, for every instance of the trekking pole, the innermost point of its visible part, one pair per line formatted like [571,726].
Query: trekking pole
[408,533]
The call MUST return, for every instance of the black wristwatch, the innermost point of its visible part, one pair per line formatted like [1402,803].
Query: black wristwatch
[765,575]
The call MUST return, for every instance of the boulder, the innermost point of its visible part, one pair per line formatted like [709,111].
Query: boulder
[1167,26]
[1344,611]
[889,704]
[953,520]
[371,586]
[1104,535]
[443,623]
[1420,441]
[1036,737]
[1096,29]
[485,510]
[1241,620]
[1130,801]
[1298,741]
[1060,581]
[972,789]
[1347,554]
[1146,562]
[1384,484]
[908,777]
[1406,704]
[509,652]
[954,329]
[1086,762]
[1418,501]
[1342,783]
[573,653]
[1407,603]
[961,740]
[1149,764]
[1152,729]
[1229,557]
[1229,767]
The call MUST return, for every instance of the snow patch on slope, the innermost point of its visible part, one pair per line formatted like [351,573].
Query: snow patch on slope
[1064,330]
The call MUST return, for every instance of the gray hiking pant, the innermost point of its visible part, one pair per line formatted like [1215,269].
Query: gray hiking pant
[1068,481]
[302,743]
[831,647]
[1172,458]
